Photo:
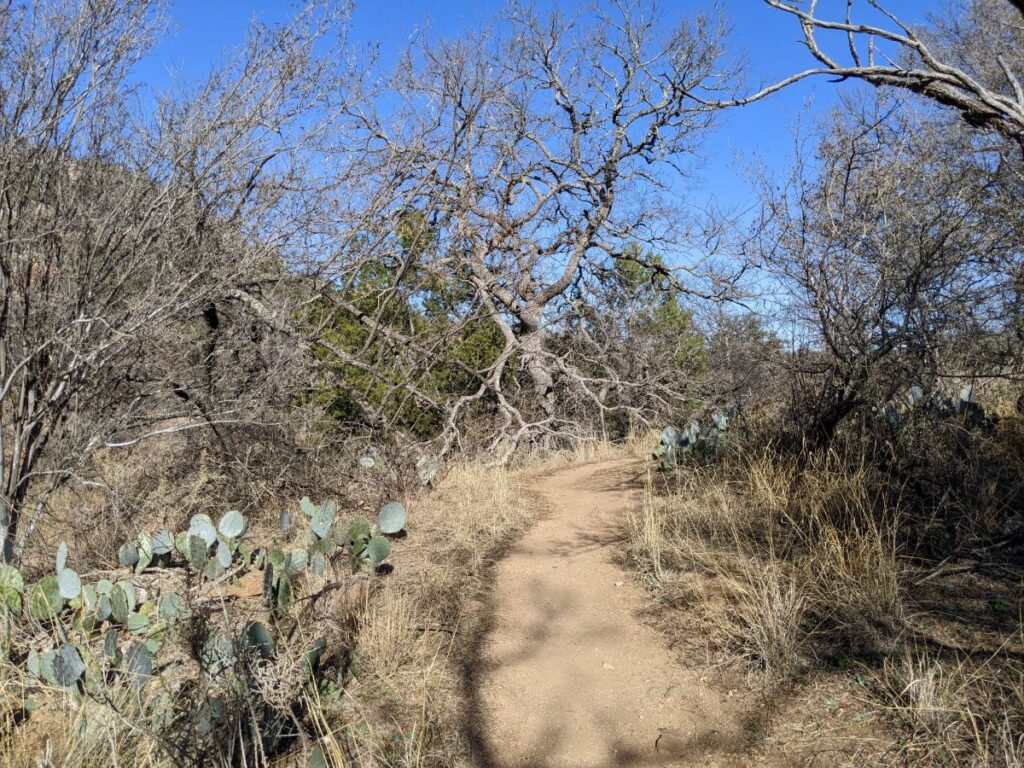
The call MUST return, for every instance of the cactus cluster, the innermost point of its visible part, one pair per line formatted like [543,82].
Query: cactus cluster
[915,400]
[113,629]
[84,610]
[697,439]
[62,597]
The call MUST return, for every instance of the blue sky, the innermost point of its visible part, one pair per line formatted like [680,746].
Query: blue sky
[767,38]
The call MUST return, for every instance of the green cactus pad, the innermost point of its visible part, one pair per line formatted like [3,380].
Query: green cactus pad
[307,506]
[119,609]
[89,598]
[391,518]
[276,557]
[197,551]
[104,608]
[213,569]
[172,607]
[322,519]
[259,638]
[378,549]
[145,558]
[33,664]
[128,555]
[44,600]
[202,526]
[181,544]
[12,588]
[137,664]
[297,561]
[137,623]
[84,622]
[110,649]
[284,593]
[317,759]
[68,665]
[318,564]
[69,584]
[129,590]
[232,525]
[44,667]
[224,554]
[162,543]
[62,556]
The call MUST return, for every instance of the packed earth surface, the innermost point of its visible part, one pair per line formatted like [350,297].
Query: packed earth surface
[570,674]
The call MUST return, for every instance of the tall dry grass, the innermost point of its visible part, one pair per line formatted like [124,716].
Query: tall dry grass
[414,630]
[785,556]
[404,705]
[955,711]
[66,731]
[792,566]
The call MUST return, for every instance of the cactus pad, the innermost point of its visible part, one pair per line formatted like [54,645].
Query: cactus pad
[69,584]
[232,525]
[392,517]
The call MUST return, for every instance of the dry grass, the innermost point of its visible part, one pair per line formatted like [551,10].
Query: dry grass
[785,552]
[787,567]
[406,632]
[955,712]
[64,732]
[414,629]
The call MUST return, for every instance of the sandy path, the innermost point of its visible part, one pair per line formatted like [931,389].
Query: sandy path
[568,675]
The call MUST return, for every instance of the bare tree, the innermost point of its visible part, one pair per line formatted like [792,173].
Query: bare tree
[536,152]
[128,233]
[977,74]
[892,252]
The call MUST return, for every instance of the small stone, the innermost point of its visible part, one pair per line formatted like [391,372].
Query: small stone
[606,665]
[617,583]
[673,692]
[671,742]
[654,691]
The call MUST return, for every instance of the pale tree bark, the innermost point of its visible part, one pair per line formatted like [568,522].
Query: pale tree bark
[985,89]
[124,230]
[538,150]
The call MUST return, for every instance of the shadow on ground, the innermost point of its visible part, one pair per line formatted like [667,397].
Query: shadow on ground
[547,601]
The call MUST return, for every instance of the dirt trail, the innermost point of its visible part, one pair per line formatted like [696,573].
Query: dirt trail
[568,675]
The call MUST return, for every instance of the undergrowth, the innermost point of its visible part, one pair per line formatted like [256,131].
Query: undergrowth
[798,564]
[400,702]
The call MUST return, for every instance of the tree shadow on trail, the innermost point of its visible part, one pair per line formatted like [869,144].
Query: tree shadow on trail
[477,665]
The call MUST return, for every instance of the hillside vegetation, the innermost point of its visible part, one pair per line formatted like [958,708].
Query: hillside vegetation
[285,346]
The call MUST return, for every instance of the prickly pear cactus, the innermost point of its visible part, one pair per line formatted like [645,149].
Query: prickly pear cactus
[12,589]
[391,518]
[114,628]
[232,525]
[699,440]
[44,599]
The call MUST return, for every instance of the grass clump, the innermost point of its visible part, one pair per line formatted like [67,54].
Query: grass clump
[797,565]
